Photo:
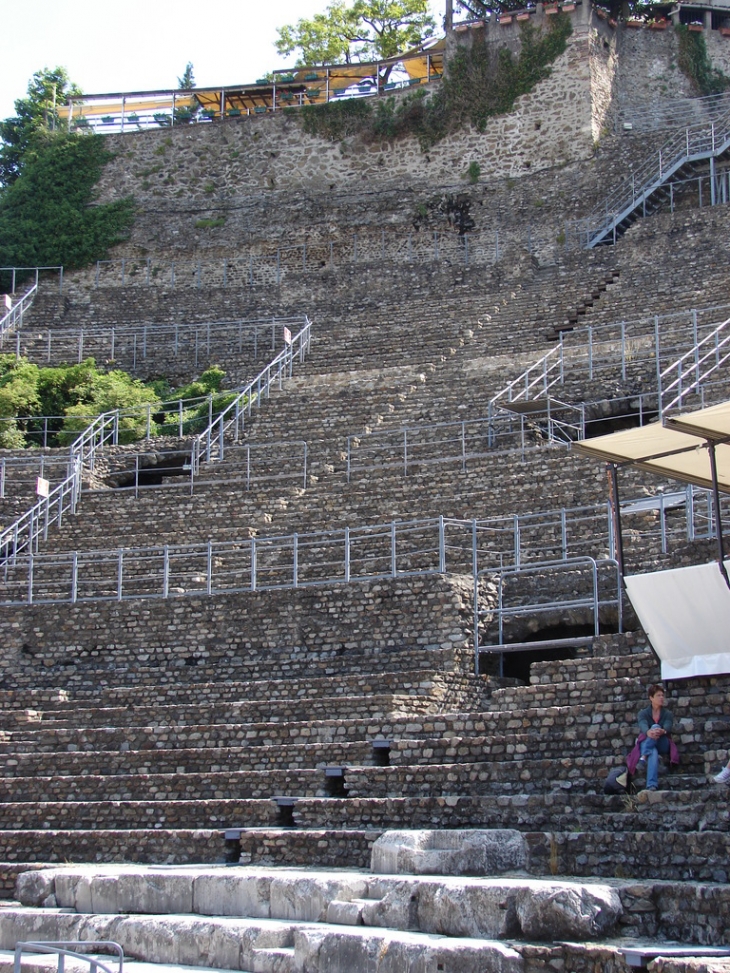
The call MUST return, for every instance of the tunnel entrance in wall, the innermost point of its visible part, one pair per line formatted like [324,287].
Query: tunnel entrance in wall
[516,665]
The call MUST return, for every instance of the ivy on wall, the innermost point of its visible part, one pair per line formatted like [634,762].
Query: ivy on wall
[481,81]
[47,216]
[695,63]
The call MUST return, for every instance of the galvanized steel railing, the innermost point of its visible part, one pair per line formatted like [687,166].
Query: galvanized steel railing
[694,144]
[687,375]
[77,951]
[134,343]
[675,113]
[14,316]
[593,587]
[232,420]
[381,551]
[679,352]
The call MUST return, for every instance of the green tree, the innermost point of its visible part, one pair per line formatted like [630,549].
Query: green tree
[187,81]
[24,135]
[361,31]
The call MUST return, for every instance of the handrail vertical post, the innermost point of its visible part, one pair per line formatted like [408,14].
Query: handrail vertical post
[209,568]
[165,571]
[295,559]
[442,546]
[253,564]
[74,576]
[347,553]
[393,565]
[120,571]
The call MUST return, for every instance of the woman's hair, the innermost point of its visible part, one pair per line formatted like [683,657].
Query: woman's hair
[656,687]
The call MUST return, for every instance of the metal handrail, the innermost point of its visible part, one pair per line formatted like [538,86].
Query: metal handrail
[423,547]
[693,144]
[676,113]
[14,316]
[233,417]
[72,950]
[695,368]
[593,601]
[24,534]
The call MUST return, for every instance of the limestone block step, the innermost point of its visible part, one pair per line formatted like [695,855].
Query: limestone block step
[246,944]
[488,908]
[505,907]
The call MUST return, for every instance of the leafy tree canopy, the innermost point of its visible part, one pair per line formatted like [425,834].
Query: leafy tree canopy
[36,115]
[363,30]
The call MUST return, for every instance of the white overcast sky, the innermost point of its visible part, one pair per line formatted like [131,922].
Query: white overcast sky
[142,45]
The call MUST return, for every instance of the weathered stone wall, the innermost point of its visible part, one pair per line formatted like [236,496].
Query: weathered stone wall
[309,625]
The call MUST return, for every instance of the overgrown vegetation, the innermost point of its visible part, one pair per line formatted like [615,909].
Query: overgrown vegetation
[45,215]
[75,394]
[695,63]
[482,81]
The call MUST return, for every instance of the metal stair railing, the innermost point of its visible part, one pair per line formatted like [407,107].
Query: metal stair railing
[693,145]
[14,317]
[694,367]
[34,524]
[234,416]
[75,950]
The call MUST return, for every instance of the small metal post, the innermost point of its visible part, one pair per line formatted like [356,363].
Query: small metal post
[295,559]
[165,571]
[120,571]
[347,554]
[393,564]
[209,567]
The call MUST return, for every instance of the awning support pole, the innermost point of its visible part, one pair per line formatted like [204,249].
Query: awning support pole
[616,511]
[718,516]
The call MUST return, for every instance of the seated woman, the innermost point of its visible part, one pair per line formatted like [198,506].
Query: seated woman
[655,724]
[724,776]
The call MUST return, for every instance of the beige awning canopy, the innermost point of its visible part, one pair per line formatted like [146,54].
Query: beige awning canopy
[711,424]
[677,450]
